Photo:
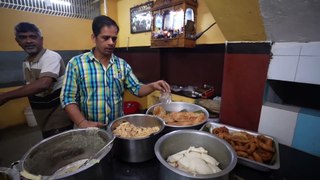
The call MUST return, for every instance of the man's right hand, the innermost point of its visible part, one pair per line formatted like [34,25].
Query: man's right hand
[86,124]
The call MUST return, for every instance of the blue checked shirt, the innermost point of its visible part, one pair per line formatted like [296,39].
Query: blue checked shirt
[98,90]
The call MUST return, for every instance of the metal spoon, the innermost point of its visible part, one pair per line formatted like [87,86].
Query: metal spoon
[93,156]
[85,163]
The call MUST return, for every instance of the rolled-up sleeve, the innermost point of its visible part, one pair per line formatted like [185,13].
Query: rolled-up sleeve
[69,88]
[131,81]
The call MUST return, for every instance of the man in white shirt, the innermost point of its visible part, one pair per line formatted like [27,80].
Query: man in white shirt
[43,72]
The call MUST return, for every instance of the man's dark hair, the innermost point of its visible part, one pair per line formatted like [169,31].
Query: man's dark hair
[101,21]
[24,27]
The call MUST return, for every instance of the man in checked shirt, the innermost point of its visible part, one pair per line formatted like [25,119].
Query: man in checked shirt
[93,88]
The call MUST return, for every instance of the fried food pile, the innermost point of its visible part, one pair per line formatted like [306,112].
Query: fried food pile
[128,130]
[258,148]
[179,118]
[194,160]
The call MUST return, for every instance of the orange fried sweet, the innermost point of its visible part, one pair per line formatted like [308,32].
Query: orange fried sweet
[258,148]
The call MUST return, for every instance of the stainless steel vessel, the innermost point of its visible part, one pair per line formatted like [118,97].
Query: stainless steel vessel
[9,174]
[137,149]
[62,155]
[177,107]
[179,140]
[273,165]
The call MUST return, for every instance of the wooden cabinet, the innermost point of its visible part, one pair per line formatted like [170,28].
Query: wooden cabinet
[174,23]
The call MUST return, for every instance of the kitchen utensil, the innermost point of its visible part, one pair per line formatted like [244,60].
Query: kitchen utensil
[136,149]
[177,107]
[180,140]
[69,149]
[274,164]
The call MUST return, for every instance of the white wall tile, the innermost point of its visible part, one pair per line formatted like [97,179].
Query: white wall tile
[310,49]
[308,70]
[278,123]
[283,68]
[286,48]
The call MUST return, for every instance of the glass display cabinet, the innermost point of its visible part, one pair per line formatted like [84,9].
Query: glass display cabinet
[174,23]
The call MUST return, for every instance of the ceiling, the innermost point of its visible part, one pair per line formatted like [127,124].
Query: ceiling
[267,20]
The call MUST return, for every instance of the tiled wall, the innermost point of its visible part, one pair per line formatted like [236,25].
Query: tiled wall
[297,62]
[294,126]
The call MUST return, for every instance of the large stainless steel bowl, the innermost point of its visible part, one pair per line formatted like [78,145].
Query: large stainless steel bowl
[136,149]
[179,140]
[62,155]
[177,107]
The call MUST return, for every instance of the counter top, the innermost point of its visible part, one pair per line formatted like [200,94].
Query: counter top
[294,164]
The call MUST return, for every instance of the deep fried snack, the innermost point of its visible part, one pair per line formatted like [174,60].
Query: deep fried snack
[242,154]
[179,118]
[240,148]
[265,143]
[257,157]
[221,129]
[265,155]
[250,147]
[258,148]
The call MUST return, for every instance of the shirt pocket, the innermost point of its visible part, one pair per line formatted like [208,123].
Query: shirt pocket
[118,82]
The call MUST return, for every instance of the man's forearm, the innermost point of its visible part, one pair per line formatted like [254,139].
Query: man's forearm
[30,89]
[74,113]
[145,90]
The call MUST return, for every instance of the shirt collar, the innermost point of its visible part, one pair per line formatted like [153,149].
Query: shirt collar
[38,56]
[91,56]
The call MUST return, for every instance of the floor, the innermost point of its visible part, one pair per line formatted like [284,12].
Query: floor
[16,141]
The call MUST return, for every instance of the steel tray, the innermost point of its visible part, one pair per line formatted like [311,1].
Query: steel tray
[275,162]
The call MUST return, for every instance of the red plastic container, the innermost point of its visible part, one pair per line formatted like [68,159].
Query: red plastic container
[131,107]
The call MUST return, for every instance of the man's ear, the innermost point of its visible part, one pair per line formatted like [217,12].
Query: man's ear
[93,38]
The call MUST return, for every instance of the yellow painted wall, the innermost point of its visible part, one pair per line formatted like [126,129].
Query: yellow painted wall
[204,20]
[112,9]
[60,33]
[213,36]
[239,20]
[12,113]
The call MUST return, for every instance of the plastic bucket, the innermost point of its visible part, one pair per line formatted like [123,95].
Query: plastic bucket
[31,120]
[131,107]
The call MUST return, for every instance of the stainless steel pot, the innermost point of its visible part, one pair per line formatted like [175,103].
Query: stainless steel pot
[9,174]
[136,149]
[179,140]
[62,155]
[177,107]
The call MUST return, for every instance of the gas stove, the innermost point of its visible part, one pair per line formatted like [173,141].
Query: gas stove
[206,91]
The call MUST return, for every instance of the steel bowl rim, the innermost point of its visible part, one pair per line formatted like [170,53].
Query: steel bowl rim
[225,171]
[175,126]
[135,115]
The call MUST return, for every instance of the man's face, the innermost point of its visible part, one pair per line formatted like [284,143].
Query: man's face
[106,40]
[30,42]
